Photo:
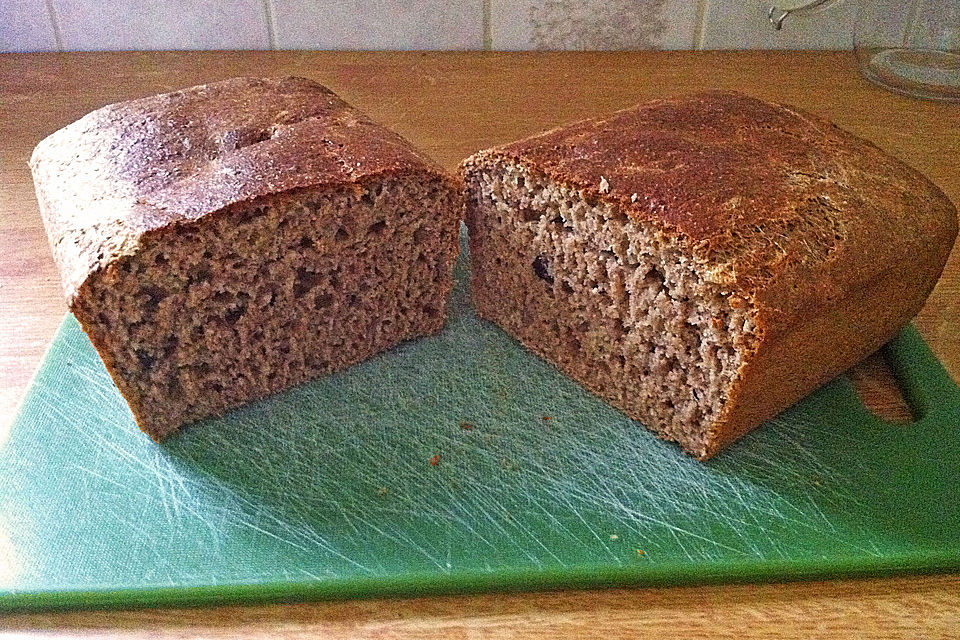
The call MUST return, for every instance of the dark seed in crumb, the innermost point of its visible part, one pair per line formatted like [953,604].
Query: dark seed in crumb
[542,269]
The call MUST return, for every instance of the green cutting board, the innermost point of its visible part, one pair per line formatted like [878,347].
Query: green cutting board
[329,491]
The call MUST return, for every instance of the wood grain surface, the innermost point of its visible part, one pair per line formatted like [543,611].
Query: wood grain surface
[919,607]
[450,105]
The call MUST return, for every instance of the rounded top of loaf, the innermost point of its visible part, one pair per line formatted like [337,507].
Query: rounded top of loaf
[141,165]
[774,203]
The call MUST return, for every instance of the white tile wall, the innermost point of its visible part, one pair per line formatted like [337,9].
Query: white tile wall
[377,24]
[743,24]
[592,24]
[162,24]
[25,25]
[39,25]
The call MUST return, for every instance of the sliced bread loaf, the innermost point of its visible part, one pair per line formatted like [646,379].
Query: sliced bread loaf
[224,242]
[703,262]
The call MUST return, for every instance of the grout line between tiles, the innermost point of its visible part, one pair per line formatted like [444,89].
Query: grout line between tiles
[271,23]
[487,35]
[700,27]
[55,23]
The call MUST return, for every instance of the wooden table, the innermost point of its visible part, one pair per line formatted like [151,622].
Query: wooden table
[451,105]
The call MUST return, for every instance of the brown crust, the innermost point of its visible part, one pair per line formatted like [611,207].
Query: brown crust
[833,242]
[730,174]
[139,166]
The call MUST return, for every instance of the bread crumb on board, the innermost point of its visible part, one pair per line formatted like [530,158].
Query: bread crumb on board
[509,465]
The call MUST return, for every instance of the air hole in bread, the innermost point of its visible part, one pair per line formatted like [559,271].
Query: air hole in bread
[234,314]
[199,275]
[170,346]
[155,296]
[530,215]
[305,281]
[323,301]
[146,360]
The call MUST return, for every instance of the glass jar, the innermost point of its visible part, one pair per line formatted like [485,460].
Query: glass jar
[908,46]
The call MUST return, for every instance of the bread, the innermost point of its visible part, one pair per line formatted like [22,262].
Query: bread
[230,240]
[703,262]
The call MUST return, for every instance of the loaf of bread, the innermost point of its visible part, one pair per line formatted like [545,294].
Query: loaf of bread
[703,262]
[224,242]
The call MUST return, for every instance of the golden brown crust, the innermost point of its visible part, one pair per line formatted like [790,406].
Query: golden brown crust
[778,205]
[134,167]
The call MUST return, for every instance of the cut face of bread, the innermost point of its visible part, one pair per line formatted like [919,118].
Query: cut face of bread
[613,303]
[269,294]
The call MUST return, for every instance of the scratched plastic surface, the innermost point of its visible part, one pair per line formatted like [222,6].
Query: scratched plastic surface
[327,491]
